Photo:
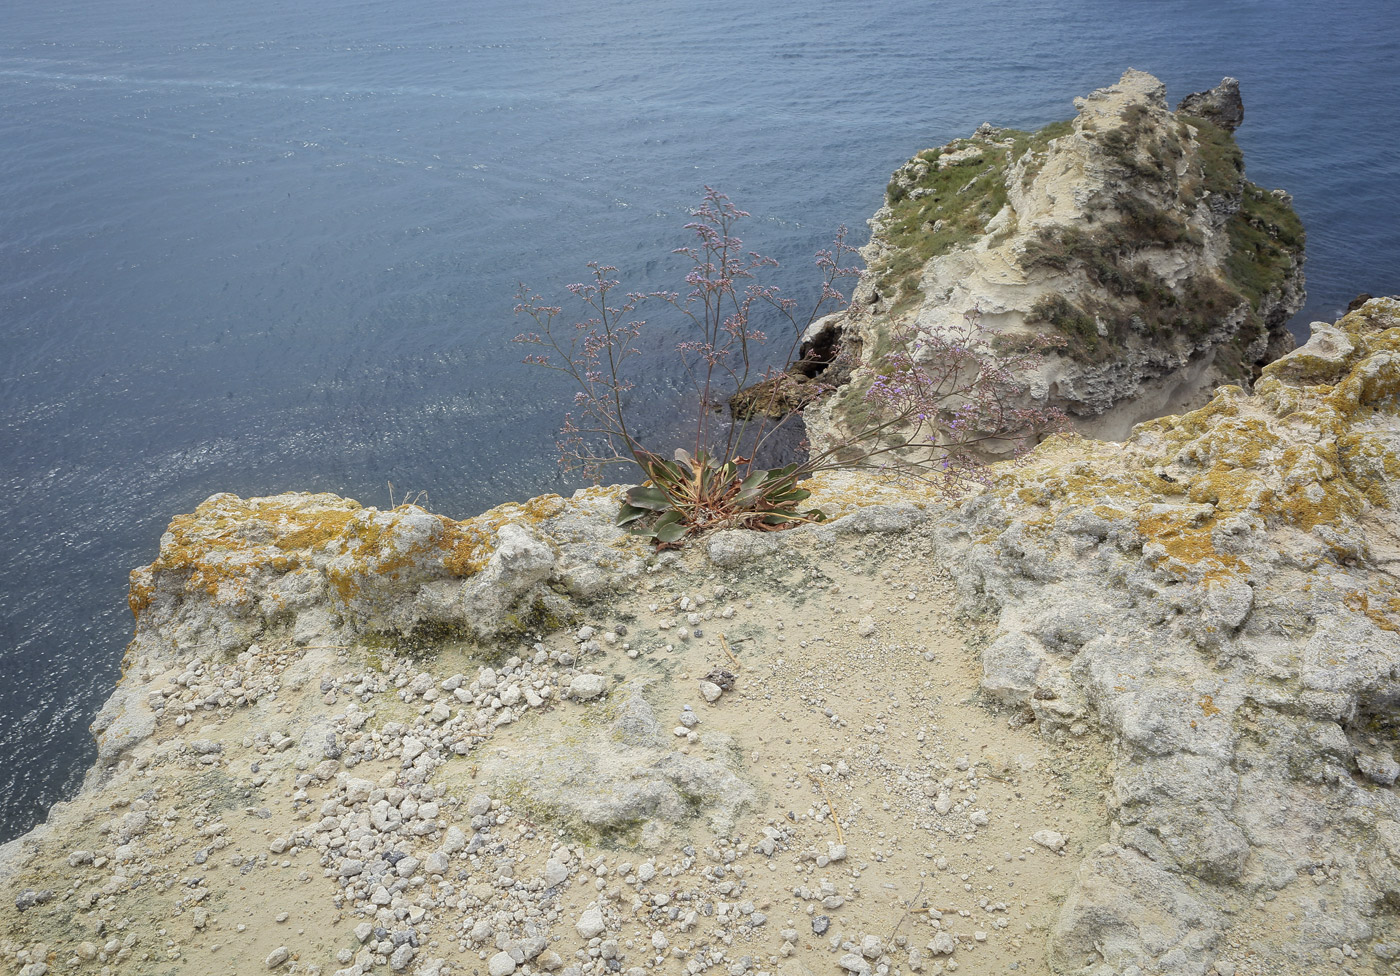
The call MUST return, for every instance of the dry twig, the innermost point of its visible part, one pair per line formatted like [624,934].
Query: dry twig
[724,646]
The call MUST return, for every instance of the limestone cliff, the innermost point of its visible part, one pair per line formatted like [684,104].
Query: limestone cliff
[1129,231]
[351,738]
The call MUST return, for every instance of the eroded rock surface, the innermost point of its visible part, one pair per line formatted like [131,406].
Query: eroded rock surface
[1218,596]
[326,733]
[1130,232]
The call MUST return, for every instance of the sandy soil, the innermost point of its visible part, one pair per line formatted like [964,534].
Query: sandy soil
[854,692]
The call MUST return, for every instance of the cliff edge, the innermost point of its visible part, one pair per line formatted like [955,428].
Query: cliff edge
[1129,709]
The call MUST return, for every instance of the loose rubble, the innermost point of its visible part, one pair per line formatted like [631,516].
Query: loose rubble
[759,796]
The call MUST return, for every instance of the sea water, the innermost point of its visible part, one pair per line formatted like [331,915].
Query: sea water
[257,246]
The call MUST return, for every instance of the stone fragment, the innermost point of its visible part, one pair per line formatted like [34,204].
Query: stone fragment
[501,964]
[454,840]
[590,923]
[942,944]
[586,687]
[30,897]
[1051,839]
[1379,769]
[555,872]
[401,957]
[277,957]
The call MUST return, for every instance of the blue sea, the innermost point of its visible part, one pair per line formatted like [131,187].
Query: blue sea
[258,246]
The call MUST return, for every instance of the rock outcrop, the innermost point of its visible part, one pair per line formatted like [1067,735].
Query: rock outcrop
[1218,595]
[318,567]
[1206,612]
[1130,232]
[1221,106]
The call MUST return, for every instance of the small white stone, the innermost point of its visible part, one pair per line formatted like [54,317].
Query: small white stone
[942,944]
[454,841]
[852,963]
[1049,838]
[590,923]
[555,872]
[586,687]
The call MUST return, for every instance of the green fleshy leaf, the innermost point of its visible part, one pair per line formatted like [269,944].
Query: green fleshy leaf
[669,529]
[627,514]
[648,498]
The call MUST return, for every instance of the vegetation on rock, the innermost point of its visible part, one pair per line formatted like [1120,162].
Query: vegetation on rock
[1130,232]
[943,397]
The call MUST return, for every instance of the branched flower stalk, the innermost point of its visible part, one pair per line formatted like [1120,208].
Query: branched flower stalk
[940,401]
[947,400]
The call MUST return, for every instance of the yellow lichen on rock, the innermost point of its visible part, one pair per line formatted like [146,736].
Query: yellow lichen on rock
[227,538]
[314,563]
[1315,447]
[471,542]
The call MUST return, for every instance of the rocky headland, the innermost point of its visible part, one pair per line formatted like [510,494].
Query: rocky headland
[1129,232]
[1132,709]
